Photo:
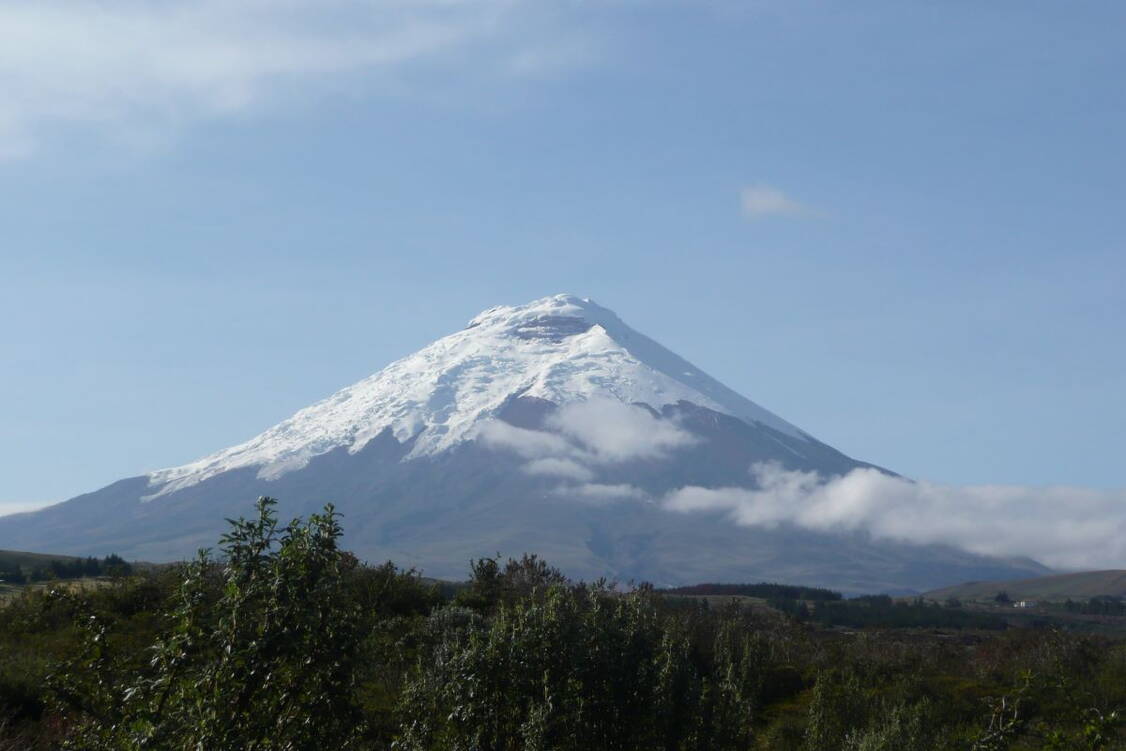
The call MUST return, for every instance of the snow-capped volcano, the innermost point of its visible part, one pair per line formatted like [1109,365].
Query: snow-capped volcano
[551,428]
[560,349]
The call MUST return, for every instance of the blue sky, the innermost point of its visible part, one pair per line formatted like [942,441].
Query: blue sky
[899,225]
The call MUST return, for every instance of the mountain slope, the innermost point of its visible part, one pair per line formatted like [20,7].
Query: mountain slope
[550,427]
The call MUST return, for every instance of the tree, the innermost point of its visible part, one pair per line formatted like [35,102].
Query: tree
[490,585]
[261,650]
[11,574]
[571,668]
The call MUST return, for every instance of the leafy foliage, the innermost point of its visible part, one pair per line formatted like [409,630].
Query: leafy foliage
[579,668]
[255,648]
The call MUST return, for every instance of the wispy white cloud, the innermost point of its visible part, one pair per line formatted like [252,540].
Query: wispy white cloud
[530,444]
[582,438]
[761,201]
[1065,527]
[614,432]
[589,434]
[141,66]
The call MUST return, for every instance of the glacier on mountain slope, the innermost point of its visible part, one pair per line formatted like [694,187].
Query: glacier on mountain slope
[561,349]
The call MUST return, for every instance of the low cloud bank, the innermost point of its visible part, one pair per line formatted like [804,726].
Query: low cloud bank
[1063,527]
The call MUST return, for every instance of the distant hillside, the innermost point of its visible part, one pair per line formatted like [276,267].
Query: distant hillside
[18,568]
[30,560]
[1082,585]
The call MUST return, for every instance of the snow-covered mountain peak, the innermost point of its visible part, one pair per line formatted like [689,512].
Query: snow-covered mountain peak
[555,315]
[561,349]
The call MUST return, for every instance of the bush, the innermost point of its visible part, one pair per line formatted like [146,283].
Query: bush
[261,651]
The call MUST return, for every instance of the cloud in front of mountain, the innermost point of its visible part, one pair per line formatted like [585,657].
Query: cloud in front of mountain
[587,434]
[1065,527]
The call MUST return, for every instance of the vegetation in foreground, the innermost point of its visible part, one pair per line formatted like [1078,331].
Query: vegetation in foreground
[284,641]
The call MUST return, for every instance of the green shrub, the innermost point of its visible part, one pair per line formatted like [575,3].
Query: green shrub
[261,651]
